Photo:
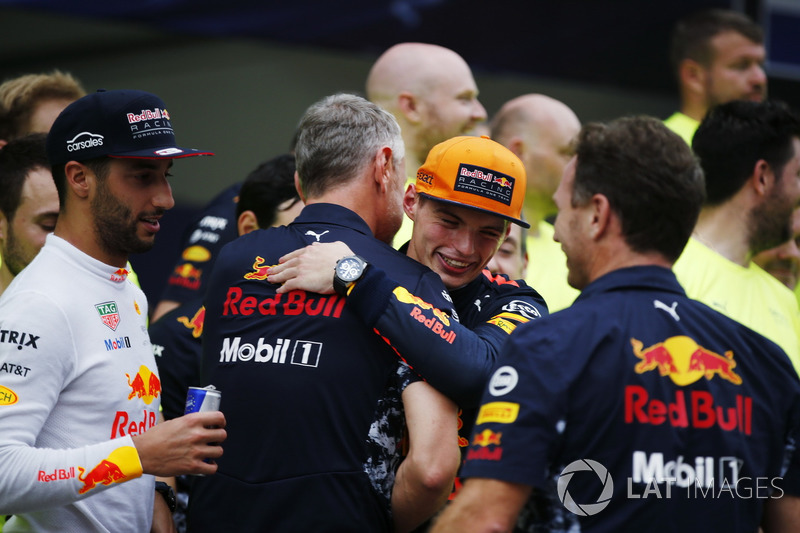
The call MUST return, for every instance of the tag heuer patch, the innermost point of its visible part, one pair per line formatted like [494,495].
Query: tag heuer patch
[108,314]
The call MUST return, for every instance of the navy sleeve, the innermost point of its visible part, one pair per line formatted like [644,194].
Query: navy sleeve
[451,357]
[177,349]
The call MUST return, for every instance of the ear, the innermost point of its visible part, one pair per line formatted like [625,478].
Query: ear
[600,214]
[517,146]
[410,201]
[299,187]
[763,178]
[79,179]
[409,106]
[383,169]
[693,76]
[247,222]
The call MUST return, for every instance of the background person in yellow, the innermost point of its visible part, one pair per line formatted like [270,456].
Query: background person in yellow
[539,130]
[432,94]
[717,55]
[750,154]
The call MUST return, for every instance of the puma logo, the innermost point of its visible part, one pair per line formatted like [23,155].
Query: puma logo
[658,304]
[316,235]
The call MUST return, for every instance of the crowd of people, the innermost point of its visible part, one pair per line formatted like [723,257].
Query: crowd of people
[549,327]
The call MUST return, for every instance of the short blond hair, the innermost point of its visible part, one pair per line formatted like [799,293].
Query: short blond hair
[20,96]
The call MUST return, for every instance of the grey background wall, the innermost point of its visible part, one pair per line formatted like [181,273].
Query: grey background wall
[242,99]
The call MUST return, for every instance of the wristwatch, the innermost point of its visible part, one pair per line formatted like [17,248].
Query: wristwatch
[169,495]
[348,270]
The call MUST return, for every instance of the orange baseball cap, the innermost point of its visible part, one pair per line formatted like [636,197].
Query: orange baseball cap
[475,172]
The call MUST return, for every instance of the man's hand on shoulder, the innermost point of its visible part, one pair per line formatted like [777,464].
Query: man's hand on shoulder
[310,268]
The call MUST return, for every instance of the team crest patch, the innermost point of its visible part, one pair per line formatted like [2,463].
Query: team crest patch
[108,314]
[484,182]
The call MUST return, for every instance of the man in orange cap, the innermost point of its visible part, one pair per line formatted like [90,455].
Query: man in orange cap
[466,194]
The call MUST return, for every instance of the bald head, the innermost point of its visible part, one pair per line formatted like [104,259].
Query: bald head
[431,92]
[538,129]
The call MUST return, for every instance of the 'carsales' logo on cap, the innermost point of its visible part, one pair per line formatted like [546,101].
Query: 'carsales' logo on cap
[84,140]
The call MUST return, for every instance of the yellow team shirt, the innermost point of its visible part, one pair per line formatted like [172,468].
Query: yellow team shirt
[682,125]
[746,294]
[547,269]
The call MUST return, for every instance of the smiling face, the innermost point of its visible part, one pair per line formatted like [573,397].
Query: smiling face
[455,242]
[127,204]
[783,261]
[571,232]
[770,222]
[449,107]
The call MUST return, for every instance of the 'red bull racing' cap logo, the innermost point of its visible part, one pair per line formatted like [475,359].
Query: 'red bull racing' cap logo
[145,385]
[684,361]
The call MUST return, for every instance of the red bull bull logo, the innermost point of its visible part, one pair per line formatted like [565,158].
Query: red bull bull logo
[486,437]
[503,181]
[260,270]
[145,385]
[481,443]
[119,275]
[684,361]
[186,275]
[115,468]
[195,323]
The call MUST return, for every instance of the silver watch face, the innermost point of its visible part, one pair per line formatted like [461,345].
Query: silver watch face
[349,269]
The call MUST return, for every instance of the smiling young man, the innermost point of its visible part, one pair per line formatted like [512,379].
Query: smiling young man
[79,444]
[467,193]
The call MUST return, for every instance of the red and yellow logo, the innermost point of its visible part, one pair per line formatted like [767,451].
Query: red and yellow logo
[145,385]
[260,270]
[486,437]
[119,466]
[195,323]
[684,361]
[8,396]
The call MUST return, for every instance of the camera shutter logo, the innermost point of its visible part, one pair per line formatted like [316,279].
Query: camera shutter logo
[585,509]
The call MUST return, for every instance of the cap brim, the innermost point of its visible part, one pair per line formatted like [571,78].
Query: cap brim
[481,209]
[165,152]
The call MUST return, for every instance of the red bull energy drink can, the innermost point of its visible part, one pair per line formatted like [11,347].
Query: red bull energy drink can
[202,399]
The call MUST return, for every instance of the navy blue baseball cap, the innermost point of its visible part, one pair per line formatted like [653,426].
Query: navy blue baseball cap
[126,124]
